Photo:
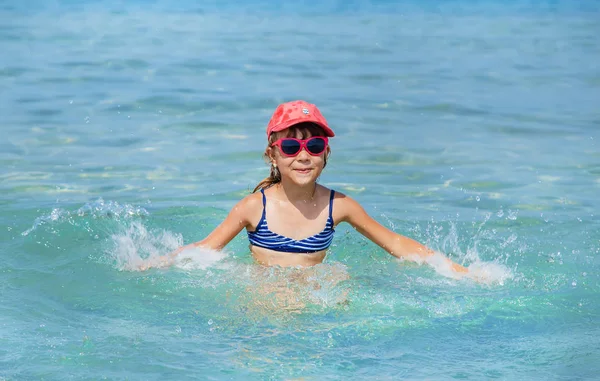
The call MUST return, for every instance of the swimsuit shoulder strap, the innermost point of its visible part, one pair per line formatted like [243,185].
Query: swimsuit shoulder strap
[331,204]
[264,202]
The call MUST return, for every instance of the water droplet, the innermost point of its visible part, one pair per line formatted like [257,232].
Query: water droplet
[477,198]
[330,335]
[574,284]
[210,322]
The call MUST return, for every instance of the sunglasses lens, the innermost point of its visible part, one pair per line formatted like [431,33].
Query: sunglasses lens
[315,145]
[290,147]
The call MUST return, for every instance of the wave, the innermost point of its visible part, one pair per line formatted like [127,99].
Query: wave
[96,209]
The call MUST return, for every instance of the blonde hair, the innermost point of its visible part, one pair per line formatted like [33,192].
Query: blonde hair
[304,130]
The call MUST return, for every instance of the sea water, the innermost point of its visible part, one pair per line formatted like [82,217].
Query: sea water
[131,128]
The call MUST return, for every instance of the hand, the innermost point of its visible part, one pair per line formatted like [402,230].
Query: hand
[458,268]
[489,273]
[161,261]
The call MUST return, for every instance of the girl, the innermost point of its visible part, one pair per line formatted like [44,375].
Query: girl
[290,218]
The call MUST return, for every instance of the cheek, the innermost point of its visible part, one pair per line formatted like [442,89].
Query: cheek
[320,162]
[283,161]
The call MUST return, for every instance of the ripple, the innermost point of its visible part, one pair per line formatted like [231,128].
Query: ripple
[30,99]
[46,112]
[450,108]
[25,176]
[487,185]
[526,131]
[14,72]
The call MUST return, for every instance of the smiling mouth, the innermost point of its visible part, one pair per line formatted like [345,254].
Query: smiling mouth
[305,170]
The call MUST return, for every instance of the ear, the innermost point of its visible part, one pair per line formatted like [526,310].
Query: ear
[270,154]
[327,153]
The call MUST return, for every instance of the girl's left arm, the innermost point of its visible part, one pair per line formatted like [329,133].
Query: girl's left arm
[350,211]
[237,219]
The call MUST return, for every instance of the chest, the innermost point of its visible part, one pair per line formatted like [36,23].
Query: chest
[296,221]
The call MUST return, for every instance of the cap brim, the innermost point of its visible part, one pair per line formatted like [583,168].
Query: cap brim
[289,123]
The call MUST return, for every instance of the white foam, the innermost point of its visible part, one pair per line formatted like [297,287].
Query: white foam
[198,258]
[489,273]
[136,246]
[467,250]
[439,263]
[479,271]
[137,249]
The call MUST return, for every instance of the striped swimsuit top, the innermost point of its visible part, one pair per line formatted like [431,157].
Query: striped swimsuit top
[263,237]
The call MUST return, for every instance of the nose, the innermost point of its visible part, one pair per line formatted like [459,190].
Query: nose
[303,154]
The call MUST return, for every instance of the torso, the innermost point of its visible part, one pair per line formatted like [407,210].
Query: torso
[268,257]
[296,222]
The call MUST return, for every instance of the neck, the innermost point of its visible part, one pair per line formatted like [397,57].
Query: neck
[295,193]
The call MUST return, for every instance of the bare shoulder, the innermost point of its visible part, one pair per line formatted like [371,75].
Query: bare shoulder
[247,209]
[251,203]
[344,200]
[252,199]
[344,207]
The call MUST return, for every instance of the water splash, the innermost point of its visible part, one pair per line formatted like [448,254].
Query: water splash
[198,258]
[57,214]
[489,273]
[96,209]
[479,271]
[136,245]
[467,248]
[137,249]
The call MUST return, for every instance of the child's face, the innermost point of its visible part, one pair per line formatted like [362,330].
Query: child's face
[302,169]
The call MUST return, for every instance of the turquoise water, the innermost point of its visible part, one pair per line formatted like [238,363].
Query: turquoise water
[131,128]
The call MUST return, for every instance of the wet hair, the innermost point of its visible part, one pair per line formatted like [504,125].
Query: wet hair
[302,131]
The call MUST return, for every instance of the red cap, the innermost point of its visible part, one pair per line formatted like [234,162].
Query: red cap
[294,112]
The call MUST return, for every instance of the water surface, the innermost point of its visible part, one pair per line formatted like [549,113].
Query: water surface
[132,128]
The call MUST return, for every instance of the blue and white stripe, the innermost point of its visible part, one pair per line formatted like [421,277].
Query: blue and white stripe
[263,237]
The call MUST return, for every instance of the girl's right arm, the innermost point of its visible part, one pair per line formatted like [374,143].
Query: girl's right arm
[350,211]
[238,218]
